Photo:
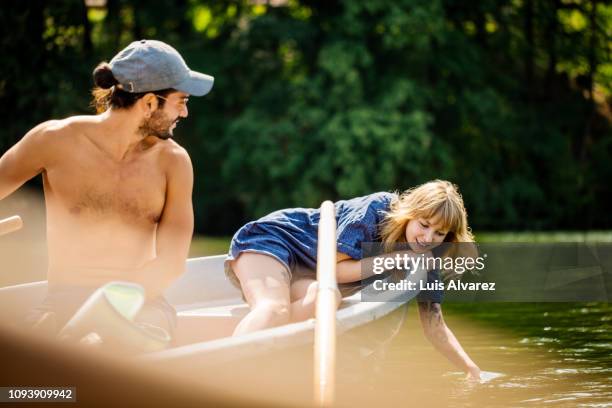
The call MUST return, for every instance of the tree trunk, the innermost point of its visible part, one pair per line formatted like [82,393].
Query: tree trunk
[587,137]
[529,48]
[551,45]
[87,43]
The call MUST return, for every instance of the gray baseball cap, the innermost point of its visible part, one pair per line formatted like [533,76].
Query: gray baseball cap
[150,65]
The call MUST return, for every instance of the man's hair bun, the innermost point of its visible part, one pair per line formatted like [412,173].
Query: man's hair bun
[103,76]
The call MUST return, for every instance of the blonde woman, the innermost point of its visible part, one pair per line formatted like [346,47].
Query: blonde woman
[272,260]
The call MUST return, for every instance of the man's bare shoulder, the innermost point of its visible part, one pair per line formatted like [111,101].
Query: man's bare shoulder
[42,130]
[77,125]
[173,154]
[39,139]
[62,128]
[176,163]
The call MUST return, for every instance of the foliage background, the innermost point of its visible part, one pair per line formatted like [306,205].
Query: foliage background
[315,100]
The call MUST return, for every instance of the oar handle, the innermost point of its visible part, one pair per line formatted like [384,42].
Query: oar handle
[10,224]
[325,326]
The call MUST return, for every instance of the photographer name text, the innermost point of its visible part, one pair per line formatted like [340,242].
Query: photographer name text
[435,285]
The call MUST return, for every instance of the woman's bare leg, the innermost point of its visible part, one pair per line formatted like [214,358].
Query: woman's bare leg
[304,299]
[266,289]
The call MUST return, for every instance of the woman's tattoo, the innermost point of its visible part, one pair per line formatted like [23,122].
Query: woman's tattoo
[435,322]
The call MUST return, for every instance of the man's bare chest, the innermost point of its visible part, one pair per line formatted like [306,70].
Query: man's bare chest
[94,187]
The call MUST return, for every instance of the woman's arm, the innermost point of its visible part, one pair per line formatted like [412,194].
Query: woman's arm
[347,268]
[443,338]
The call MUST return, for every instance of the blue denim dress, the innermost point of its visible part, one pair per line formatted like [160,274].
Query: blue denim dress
[290,235]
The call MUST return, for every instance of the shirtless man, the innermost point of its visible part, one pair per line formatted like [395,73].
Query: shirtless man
[117,187]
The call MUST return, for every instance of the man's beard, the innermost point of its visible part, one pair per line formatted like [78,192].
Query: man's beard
[157,125]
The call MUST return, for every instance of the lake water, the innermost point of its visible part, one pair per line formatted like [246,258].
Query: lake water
[554,355]
[549,355]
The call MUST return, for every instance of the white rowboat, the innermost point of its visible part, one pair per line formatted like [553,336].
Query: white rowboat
[209,307]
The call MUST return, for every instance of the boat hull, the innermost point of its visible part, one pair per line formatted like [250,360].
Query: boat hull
[208,309]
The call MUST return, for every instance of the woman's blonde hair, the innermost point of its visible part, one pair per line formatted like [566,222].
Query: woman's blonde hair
[439,200]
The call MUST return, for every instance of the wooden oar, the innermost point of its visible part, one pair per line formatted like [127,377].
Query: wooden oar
[325,328]
[10,224]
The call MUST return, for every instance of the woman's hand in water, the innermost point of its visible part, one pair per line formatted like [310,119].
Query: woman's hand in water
[473,373]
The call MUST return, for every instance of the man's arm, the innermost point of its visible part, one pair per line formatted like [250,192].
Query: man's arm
[26,159]
[443,338]
[175,228]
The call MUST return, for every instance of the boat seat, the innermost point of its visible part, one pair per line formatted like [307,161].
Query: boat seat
[203,323]
[233,310]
